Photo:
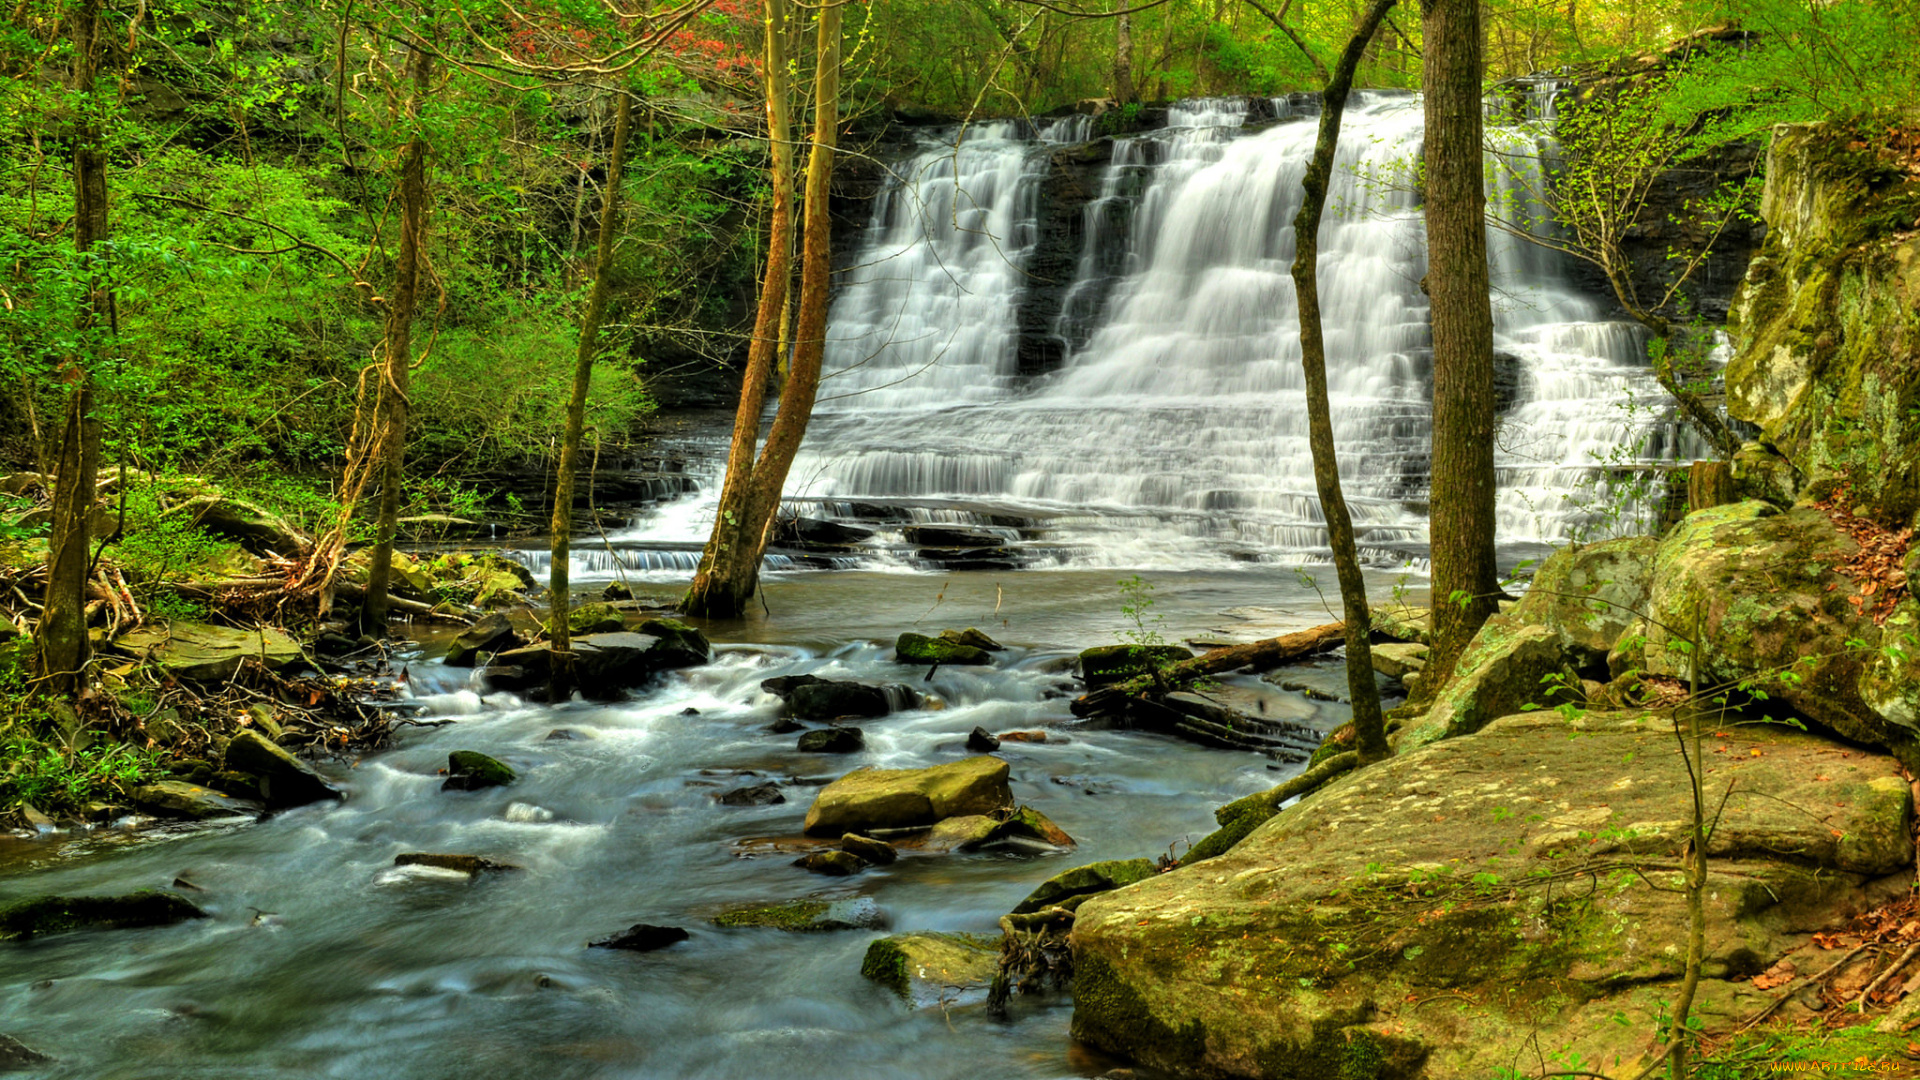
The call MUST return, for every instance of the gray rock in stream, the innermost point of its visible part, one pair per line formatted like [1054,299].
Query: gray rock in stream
[16,1056]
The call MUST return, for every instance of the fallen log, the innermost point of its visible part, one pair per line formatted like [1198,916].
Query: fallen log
[1110,702]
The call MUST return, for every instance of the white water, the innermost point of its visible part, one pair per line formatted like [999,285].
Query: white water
[1174,436]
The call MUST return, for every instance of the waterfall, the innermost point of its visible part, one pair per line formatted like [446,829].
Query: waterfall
[1170,431]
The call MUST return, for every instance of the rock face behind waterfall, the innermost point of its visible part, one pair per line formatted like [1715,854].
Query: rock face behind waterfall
[1312,949]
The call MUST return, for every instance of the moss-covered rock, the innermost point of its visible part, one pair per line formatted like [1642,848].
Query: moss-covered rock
[285,780]
[1746,593]
[1068,888]
[470,770]
[680,645]
[58,914]
[914,648]
[199,652]
[1826,336]
[178,798]
[1590,595]
[1503,669]
[831,699]
[867,799]
[1421,912]
[491,635]
[1104,665]
[928,969]
[595,618]
[806,916]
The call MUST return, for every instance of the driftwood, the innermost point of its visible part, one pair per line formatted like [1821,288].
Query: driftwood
[1261,655]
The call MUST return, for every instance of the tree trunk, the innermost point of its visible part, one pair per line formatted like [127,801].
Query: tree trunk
[730,567]
[561,686]
[724,583]
[1368,724]
[1465,576]
[397,349]
[63,647]
[1123,89]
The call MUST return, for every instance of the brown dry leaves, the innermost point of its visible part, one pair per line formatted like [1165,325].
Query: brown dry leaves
[1876,569]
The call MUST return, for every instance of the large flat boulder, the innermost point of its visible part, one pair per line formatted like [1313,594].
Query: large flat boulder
[867,799]
[930,969]
[1524,877]
[200,652]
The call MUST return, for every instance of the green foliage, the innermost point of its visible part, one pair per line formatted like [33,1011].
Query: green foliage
[160,550]
[1136,603]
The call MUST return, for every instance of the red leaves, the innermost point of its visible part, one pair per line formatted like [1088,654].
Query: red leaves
[1776,976]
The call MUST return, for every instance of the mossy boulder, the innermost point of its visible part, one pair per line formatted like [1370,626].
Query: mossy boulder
[1504,668]
[1324,939]
[491,635]
[595,618]
[680,645]
[928,969]
[285,780]
[1757,587]
[178,798]
[833,740]
[867,799]
[1402,623]
[913,648]
[470,770]
[807,916]
[199,652]
[1590,595]
[1398,659]
[484,579]
[972,638]
[1069,888]
[1104,665]
[1826,346]
[58,914]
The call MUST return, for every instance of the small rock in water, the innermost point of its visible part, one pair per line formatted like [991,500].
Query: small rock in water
[471,865]
[16,1055]
[767,794]
[689,711]
[877,852]
[616,590]
[832,863]
[981,741]
[469,770]
[833,740]
[561,734]
[1023,736]
[926,969]
[786,725]
[781,686]
[808,916]
[525,813]
[641,937]
[972,639]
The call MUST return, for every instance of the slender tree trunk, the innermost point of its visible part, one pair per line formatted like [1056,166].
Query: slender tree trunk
[810,317]
[1465,576]
[557,586]
[1368,724]
[397,348]
[727,578]
[1123,89]
[63,646]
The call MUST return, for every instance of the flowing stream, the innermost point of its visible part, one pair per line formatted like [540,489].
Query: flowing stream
[323,960]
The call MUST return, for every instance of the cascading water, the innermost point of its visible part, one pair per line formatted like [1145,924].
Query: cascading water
[1173,435]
